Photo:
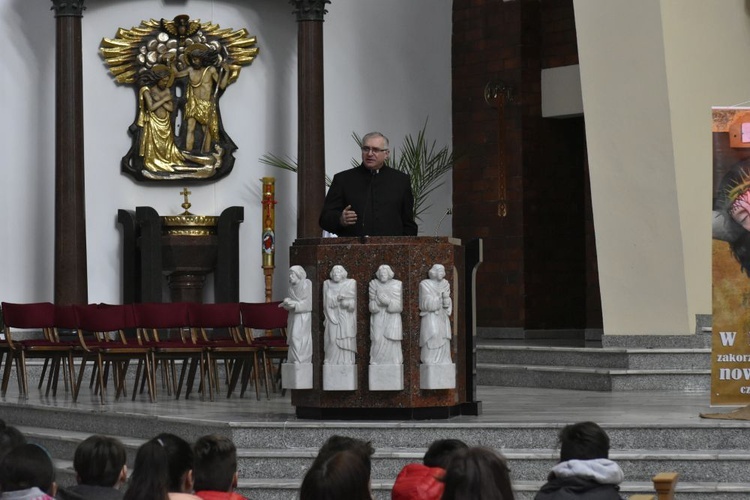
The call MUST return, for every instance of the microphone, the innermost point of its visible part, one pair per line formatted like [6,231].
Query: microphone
[448,211]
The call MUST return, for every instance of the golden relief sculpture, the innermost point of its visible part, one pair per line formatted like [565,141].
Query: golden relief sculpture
[179,69]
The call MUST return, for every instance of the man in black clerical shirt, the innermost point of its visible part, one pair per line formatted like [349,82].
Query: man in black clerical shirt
[371,199]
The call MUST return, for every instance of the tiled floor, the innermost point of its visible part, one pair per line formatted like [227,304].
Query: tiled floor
[499,405]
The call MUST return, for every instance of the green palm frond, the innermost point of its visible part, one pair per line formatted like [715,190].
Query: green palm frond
[425,164]
[286,163]
[422,160]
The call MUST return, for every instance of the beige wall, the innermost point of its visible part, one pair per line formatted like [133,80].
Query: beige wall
[650,72]
[707,44]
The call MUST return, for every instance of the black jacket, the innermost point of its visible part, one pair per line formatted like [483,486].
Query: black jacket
[383,201]
[577,488]
[85,492]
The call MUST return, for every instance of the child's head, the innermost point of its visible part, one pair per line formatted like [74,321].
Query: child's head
[440,451]
[336,443]
[477,472]
[27,466]
[10,437]
[162,465]
[214,464]
[583,441]
[343,475]
[100,461]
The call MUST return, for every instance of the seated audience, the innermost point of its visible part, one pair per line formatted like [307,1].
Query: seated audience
[100,465]
[341,471]
[425,481]
[162,470]
[27,473]
[477,473]
[584,470]
[215,468]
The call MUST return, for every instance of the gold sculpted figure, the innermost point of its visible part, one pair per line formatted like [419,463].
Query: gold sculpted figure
[155,105]
[204,81]
[180,69]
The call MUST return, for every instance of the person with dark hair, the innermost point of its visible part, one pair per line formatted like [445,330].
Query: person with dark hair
[372,199]
[27,473]
[345,475]
[425,481]
[477,472]
[10,437]
[340,471]
[100,465]
[215,468]
[163,470]
[440,452]
[585,470]
[336,443]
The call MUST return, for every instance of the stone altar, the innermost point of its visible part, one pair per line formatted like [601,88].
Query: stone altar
[151,252]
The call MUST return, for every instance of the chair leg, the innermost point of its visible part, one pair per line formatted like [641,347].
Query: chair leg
[206,369]
[44,371]
[54,371]
[237,369]
[265,373]
[6,371]
[71,374]
[23,380]
[138,374]
[77,389]
[100,366]
[151,376]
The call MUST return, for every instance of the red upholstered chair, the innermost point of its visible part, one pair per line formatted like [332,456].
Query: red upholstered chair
[102,336]
[226,341]
[165,328]
[269,318]
[34,316]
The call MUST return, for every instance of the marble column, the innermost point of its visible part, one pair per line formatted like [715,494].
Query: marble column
[311,137]
[71,280]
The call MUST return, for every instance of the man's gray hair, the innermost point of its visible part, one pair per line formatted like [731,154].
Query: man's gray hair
[370,135]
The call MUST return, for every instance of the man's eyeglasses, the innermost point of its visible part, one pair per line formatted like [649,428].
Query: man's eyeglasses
[366,150]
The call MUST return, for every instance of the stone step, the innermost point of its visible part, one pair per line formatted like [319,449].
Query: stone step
[301,434]
[526,464]
[592,379]
[633,359]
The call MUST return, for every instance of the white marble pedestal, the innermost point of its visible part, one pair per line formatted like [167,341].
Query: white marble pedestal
[297,375]
[339,377]
[386,377]
[437,376]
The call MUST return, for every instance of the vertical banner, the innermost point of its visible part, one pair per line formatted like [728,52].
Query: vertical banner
[730,357]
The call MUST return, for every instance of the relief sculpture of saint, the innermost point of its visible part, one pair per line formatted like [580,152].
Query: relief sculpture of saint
[179,69]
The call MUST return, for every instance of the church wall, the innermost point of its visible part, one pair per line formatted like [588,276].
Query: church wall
[535,269]
[387,67]
[629,137]
[649,74]
[702,71]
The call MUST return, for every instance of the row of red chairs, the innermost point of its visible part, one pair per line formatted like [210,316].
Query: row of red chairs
[153,334]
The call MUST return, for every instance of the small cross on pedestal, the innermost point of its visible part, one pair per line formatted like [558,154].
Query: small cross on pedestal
[186,204]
